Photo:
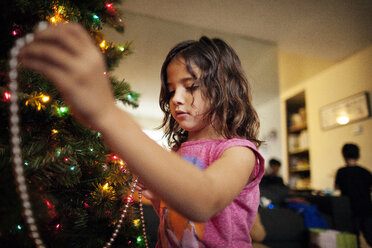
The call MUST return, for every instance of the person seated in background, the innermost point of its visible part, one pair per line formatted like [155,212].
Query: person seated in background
[272,188]
[272,175]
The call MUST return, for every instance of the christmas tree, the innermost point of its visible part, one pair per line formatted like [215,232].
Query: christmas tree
[78,188]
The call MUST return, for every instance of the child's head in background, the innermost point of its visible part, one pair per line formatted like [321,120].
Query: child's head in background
[350,152]
[216,71]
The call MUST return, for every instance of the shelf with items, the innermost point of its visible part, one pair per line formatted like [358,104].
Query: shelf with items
[299,163]
[298,127]
[298,150]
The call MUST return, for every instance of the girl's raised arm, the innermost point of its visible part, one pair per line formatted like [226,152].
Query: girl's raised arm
[68,57]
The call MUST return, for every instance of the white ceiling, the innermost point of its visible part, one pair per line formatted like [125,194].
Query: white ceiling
[323,29]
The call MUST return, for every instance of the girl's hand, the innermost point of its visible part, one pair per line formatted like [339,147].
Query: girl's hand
[145,192]
[149,195]
[67,56]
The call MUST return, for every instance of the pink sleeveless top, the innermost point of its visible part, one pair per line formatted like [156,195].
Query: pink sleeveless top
[231,226]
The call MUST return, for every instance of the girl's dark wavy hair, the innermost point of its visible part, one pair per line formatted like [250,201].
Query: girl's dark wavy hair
[222,81]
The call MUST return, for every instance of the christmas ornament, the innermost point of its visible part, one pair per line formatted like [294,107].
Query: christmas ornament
[17,153]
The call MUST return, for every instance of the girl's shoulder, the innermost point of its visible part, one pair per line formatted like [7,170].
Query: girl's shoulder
[217,146]
[214,142]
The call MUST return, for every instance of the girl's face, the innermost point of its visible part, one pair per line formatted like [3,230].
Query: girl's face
[187,105]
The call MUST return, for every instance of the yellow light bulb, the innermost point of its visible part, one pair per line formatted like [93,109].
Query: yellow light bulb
[103,44]
[53,20]
[60,9]
[54,131]
[136,222]
[105,187]
[45,98]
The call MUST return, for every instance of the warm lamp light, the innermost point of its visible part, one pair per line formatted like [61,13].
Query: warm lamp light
[342,119]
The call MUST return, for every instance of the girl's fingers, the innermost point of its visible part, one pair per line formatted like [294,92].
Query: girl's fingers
[37,54]
[48,68]
[145,192]
[148,194]
[71,37]
[67,56]
[140,186]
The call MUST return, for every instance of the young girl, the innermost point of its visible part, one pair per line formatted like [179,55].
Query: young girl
[208,185]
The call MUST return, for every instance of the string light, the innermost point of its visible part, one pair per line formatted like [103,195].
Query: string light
[37,100]
[16,32]
[110,9]
[58,151]
[62,111]
[48,204]
[105,187]
[60,9]
[45,98]
[132,96]
[54,131]
[59,15]
[103,45]
[136,222]
[7,96]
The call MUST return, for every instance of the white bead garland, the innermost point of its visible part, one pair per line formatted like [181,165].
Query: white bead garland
[16,139]
[142,218]
[17,152]
[129,198]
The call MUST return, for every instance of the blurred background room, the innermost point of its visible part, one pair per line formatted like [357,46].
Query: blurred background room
[309,64]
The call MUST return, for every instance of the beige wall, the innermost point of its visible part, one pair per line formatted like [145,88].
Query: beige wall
[334,83]
[294,69]
[270,130]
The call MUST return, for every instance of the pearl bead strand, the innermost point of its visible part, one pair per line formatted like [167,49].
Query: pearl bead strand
[16,139]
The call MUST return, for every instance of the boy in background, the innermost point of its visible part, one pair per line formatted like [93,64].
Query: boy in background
[355,182]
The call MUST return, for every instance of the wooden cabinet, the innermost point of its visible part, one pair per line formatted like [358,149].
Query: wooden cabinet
[298,151]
